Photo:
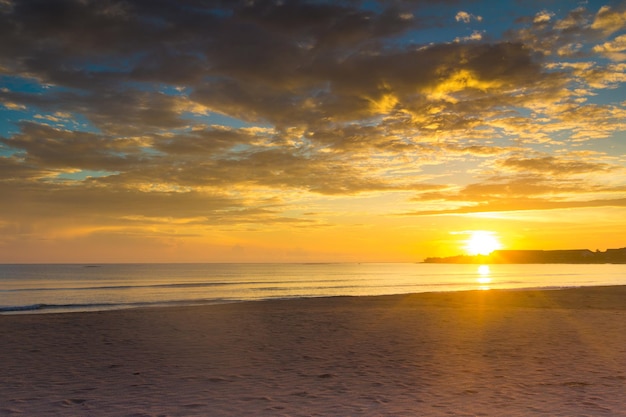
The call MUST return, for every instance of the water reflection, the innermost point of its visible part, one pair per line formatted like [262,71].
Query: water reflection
[484,277]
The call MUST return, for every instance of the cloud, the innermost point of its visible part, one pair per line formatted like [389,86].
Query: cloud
[518,204]
[615,49]
[229,67]
[466,17]
[521,193]
[314,83]
[609,21]
[199,113]
[543,17]
[15,173]
[570,35]
[61,149]
[552,165]
[525,180]
[574,21]
[475,36]
[13,106]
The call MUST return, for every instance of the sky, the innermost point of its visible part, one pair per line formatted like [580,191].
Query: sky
[309,131]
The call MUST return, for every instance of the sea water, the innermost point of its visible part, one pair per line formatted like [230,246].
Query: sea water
[66,288]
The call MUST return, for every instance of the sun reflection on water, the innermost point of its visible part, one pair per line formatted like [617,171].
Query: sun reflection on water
[484,277]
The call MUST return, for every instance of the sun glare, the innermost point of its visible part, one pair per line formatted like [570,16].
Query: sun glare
[482,242]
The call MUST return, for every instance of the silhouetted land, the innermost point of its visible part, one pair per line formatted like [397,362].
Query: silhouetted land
[576,256]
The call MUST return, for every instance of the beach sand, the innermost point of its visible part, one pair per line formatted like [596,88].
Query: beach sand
[477,353]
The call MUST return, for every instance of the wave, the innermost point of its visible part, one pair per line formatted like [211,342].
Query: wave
[68,307]
[251,285]
[51,308]
[169,285]
[30,307]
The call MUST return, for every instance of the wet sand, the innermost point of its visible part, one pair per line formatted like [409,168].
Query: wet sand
[477,353]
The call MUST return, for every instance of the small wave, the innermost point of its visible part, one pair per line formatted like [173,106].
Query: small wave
[122,287]
[30,307]
[54,308]
[41,307]
[181,285]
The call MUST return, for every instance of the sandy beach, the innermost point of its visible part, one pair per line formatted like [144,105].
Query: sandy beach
[478,353]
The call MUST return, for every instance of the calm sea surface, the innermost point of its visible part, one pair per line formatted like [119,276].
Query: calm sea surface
[66,288]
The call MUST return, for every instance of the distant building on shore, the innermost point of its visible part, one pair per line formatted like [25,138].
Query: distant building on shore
[575,256]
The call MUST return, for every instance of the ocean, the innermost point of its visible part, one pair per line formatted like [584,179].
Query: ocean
[55,288]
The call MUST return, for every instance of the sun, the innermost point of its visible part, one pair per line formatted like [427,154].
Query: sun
[482,242]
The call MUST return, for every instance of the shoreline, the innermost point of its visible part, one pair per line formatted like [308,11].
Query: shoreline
[45,309]
[497,352]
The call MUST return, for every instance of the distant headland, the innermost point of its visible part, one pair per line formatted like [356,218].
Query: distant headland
[576,256]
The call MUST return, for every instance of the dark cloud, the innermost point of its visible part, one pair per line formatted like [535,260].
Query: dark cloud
[292,62]
[45,146]
[204,143]
[15,172]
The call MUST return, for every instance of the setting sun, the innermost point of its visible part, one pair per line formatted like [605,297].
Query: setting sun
[482,242]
